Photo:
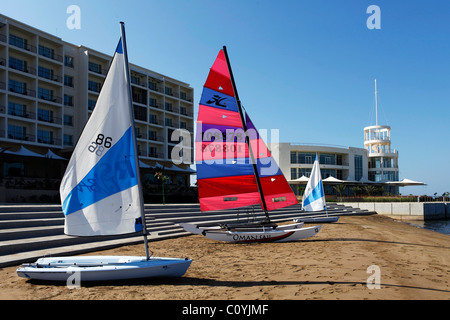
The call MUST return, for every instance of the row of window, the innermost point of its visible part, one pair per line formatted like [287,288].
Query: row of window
[309,158]
[20,110]
[20,133]
[297,173]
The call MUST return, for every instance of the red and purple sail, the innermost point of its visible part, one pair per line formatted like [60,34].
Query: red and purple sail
[226,176]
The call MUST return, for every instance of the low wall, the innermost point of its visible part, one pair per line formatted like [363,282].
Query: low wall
[406,210]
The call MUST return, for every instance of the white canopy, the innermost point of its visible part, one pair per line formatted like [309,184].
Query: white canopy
[24,152]
[406,182]
[332,179]
[51,155]
[301,180]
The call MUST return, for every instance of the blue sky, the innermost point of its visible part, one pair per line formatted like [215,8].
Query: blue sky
[304,67]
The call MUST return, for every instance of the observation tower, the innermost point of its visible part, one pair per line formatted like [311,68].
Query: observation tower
[383,160]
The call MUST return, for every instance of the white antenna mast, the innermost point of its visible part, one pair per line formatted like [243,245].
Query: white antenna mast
[376,101]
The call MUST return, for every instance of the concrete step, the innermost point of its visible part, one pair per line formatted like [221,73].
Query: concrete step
[30,232]
[26,223]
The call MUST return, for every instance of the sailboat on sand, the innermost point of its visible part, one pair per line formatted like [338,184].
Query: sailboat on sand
[314,198]
[234,167]
[101,191]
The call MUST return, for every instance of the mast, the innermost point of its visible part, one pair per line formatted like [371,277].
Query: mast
[141,197]
[247,139]
[376,101]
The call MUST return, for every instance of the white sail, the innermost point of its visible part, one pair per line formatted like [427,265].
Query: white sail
[314,196]
[100,189]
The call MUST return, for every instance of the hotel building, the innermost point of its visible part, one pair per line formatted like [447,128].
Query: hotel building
[376,164]
[48,90]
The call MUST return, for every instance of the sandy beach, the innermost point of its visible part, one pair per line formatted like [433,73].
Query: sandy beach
[413,264]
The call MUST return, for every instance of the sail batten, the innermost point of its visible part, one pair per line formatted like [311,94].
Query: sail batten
[234,166]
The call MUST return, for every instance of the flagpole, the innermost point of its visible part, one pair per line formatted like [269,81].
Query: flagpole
[247,138]
[141,197]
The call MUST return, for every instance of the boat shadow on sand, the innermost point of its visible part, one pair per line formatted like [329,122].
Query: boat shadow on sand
[203,282]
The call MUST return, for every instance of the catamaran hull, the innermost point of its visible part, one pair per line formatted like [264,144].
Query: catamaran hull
[200,230]
[103,268]
[264,236]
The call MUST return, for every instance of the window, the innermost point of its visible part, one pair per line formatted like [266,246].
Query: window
[168,106]
[327,173]
[68,81]
[294,174]
[327,159]
[169,122]
[358,167]
[135,80]
[306,158]
[18,64]
[152,86]
[68,100]
[18,42]
[152,152]
[168,91]
[152,135]
[91,104]
[45,73]
[17,132]
[153,118]
[94,86]
[17,109]
[68,140]
[68,61]
[45,115]
[68,120]
[95,67]
[17,86]
[46,52]
[45,136]
[45,94]
[294,157]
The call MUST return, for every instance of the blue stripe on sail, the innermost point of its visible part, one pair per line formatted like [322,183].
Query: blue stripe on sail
[242,167]
[120,47]
[115,172]
[315,194]
[212,98]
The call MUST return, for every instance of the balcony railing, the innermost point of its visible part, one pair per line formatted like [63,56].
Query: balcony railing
[2,38]
[50,98]
[22,45]
[22,68]
[156,138]
[21,137]
[53,120]
[21,90]
[54,142]
[156,122]
[22,114]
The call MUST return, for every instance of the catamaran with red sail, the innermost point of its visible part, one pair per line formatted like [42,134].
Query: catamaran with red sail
[235,169]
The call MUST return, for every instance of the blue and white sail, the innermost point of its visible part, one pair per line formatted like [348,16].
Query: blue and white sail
[100,191]
[314,196]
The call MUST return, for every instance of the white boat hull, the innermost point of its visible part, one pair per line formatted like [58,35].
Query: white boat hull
[103,268]
[318,220]
[263,236]
[200,230]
